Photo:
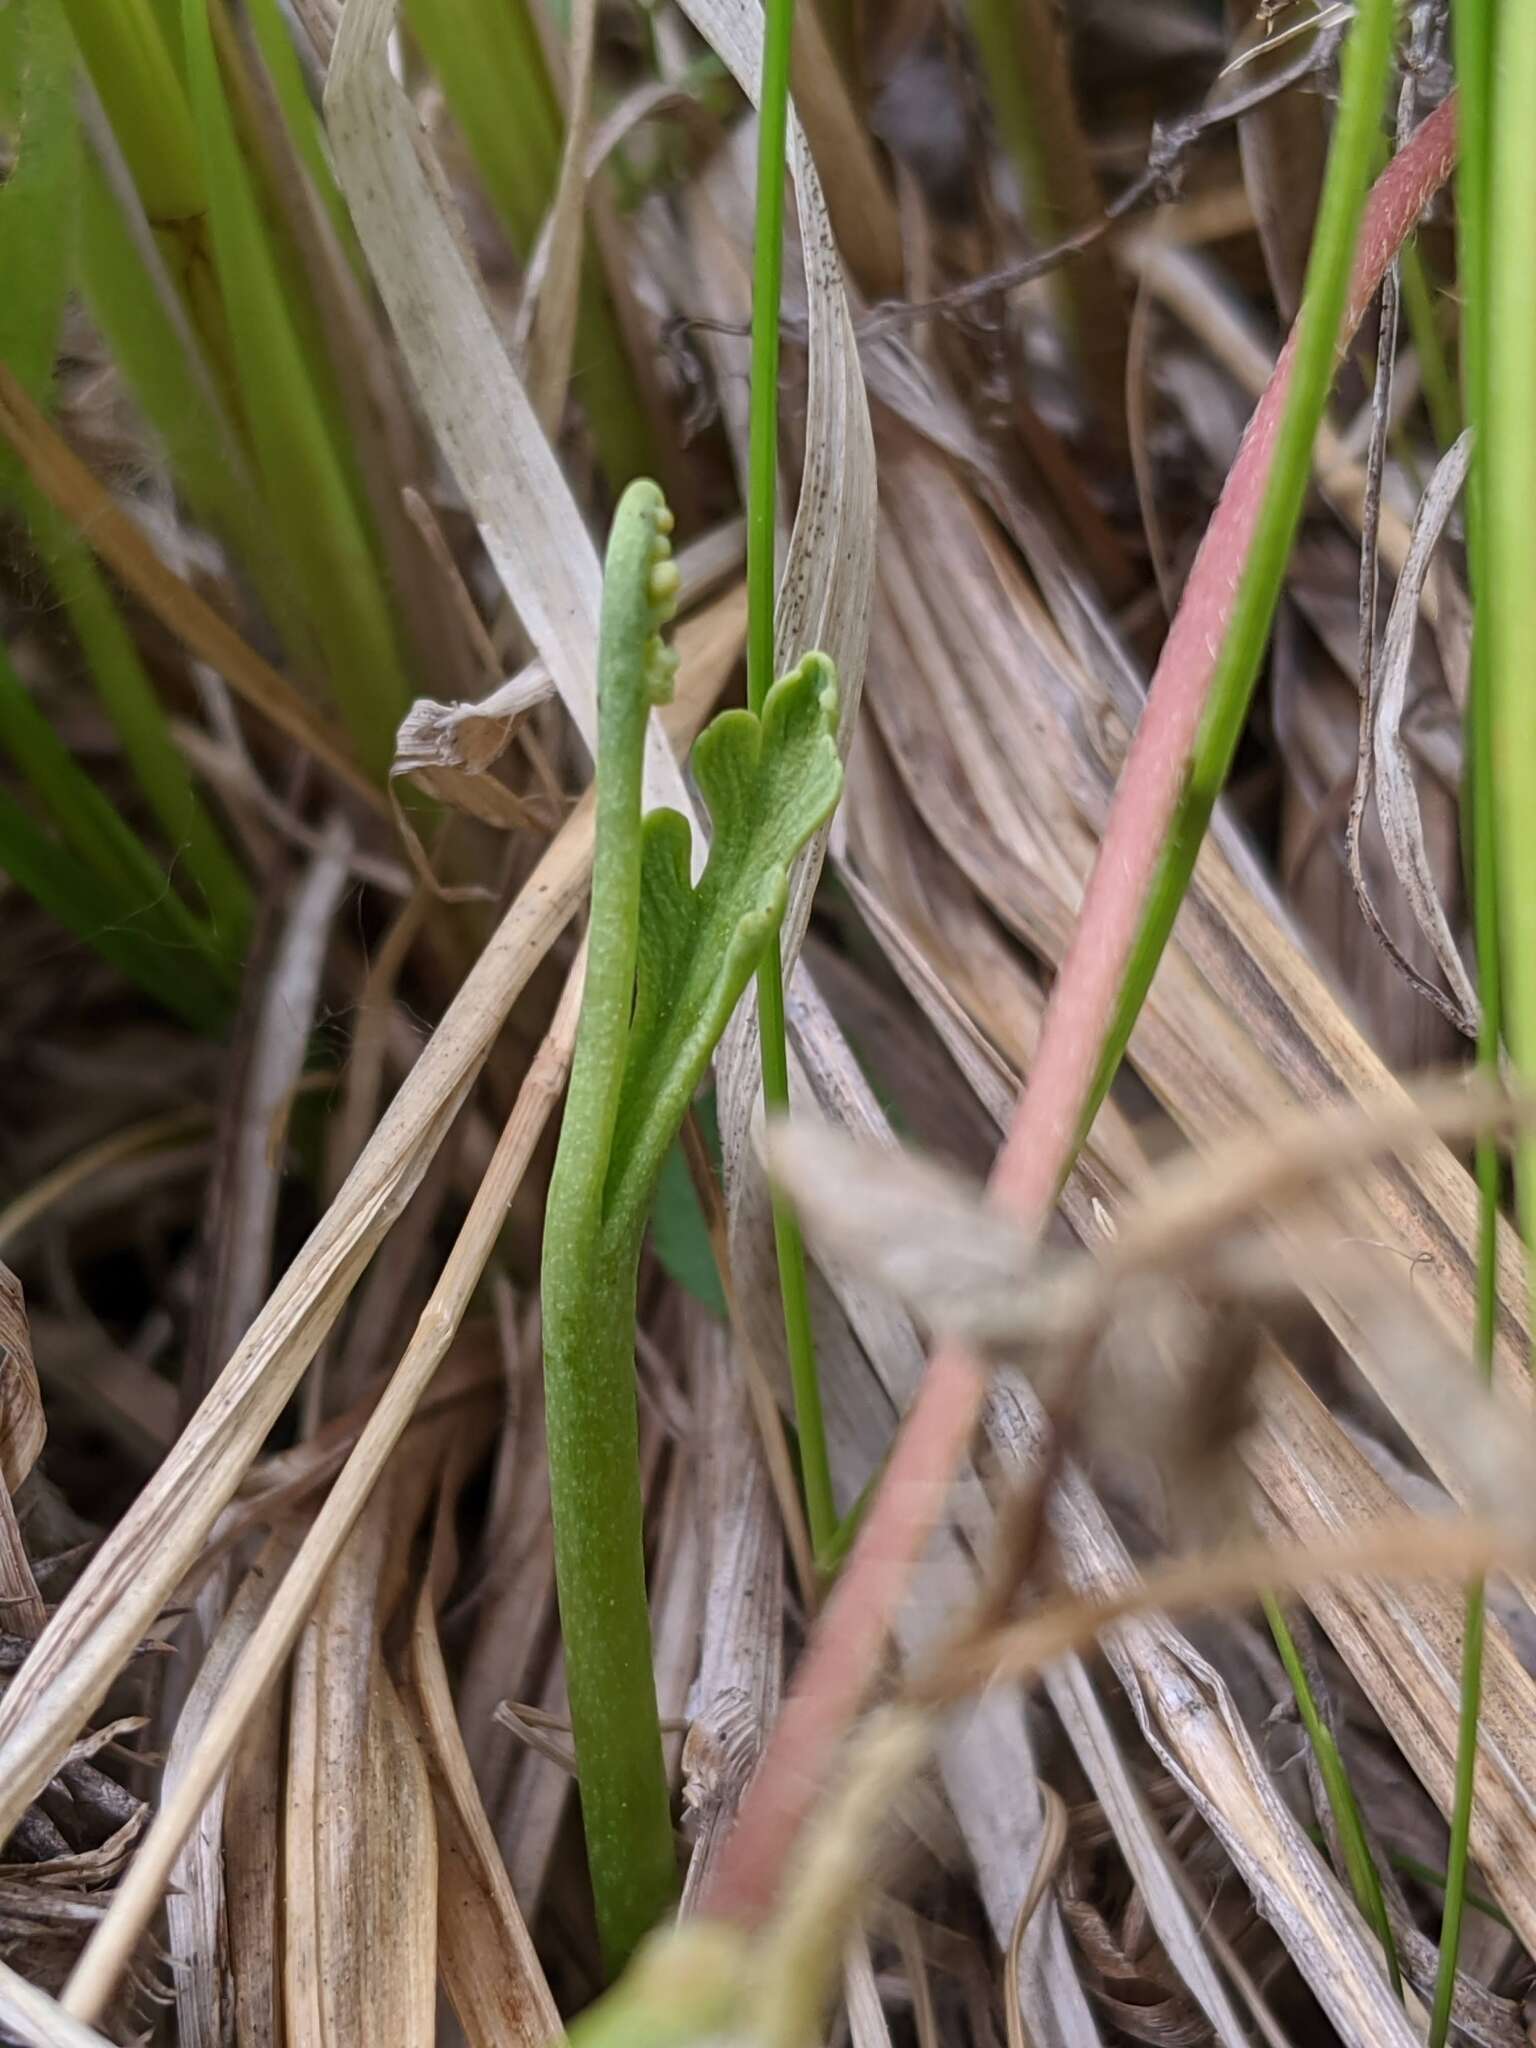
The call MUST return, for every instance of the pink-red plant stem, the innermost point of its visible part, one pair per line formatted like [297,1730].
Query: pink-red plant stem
[845,1654]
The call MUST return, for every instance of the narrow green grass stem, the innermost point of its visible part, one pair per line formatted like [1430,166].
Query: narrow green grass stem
[1435,374]
[1507,501]
[762,503]
[1356,141]
[588,1303]
[1364,1880]
[1473,30]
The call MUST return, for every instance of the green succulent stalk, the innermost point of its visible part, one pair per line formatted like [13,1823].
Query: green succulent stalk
[668,960]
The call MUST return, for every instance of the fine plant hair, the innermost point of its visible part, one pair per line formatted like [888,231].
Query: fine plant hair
[668,961]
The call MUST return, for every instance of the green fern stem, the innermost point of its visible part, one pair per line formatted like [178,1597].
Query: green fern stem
[588,1294]
[668,960]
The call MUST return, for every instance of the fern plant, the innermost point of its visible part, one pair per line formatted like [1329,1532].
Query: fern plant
[668,960]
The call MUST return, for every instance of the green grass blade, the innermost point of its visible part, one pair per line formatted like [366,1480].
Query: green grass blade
[201,854]
[127,873]
[38,219]
[300,117]
[131,66]
[155,349]
[1507,603]
[1356,141]
[762,500]
[1364,1880]
[305,483]
[159,356]
[72,896]
[132,63]
[1474,52]
[37,199]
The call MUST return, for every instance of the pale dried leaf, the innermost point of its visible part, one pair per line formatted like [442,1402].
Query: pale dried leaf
[252,1878]
[1140,1841]
[479,410]
[1404,1644]
[447,749]
[867,2023]
[195,1907]
[489,1967]
[545,329]
[736,1692]
[1196,1731]
[360,1839]
[138,1566]
[242,1210]
[22,1431]
[281,1625]
[37,2020]
[1397,800]
[22,1427]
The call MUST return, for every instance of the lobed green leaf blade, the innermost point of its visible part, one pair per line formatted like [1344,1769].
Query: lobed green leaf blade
[769,783]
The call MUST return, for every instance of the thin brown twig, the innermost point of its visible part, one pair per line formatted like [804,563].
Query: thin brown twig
[1053,1841]
[1403,1546]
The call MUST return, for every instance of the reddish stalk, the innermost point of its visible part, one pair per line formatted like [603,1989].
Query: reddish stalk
[849,1643]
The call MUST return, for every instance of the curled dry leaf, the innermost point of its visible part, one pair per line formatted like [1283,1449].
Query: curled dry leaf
[448,750]
[22,1428]
[1397,801]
